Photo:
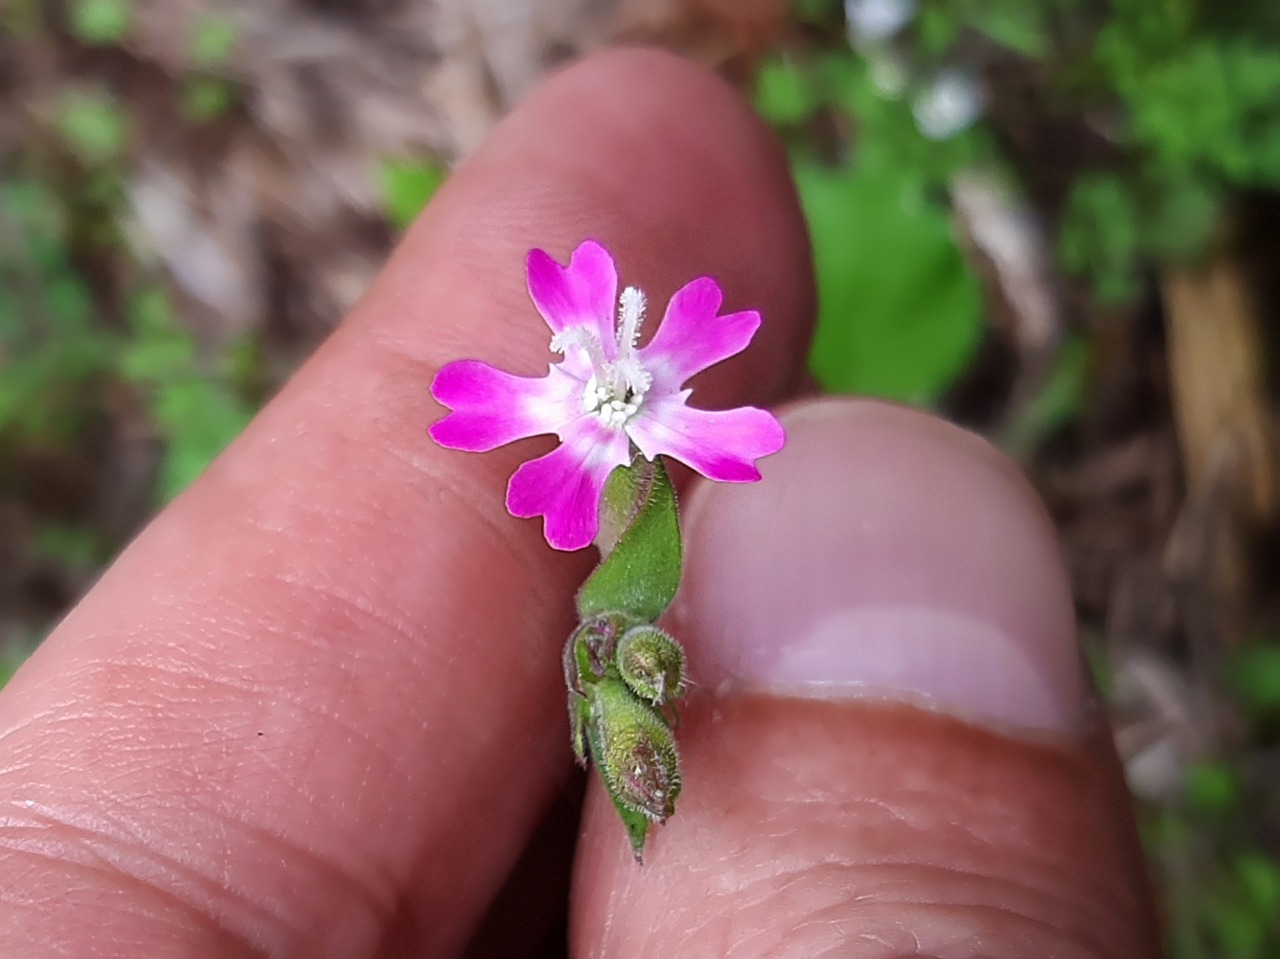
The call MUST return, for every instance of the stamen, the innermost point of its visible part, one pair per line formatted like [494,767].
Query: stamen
[616,390]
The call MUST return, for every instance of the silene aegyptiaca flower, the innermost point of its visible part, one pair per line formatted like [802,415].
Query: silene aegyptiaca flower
[608,396]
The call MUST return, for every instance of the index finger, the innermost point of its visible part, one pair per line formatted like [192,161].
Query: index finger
[316,707]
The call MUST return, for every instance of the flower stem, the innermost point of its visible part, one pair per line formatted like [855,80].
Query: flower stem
[624,674]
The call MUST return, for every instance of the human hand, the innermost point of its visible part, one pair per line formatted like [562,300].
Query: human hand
[316,708]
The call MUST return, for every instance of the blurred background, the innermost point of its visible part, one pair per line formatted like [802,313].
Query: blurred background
[1054,221]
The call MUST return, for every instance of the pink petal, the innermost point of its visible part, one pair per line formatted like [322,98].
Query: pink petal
[692,337]
[721,445]
[565,485]
[491,408]
[584,293]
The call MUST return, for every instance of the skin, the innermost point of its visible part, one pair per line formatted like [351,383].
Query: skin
[316,708]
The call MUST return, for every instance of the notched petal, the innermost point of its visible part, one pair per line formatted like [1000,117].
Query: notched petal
[580,294]
[693,336]
[720,444]
[491,408]
[565,486]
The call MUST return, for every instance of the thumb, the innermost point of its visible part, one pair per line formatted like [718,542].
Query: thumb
[896,751]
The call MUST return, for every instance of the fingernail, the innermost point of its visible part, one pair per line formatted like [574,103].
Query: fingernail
[885,553]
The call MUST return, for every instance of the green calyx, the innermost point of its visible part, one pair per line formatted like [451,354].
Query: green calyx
[651,663]
[624,674]
[640,540]
[635,752]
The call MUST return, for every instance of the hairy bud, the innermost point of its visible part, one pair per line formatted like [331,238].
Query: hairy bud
[636,754]
[652,664]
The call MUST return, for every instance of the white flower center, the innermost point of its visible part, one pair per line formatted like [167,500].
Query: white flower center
[615,392]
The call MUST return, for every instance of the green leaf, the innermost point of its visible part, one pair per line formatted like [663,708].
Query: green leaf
[900,314]
[101,22]
[405,186]
[641,570]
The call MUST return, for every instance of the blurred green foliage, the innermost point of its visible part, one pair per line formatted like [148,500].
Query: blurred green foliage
[405,185]
[1058,402]
[94,125]
[196,404]
[207,98]
[62,348]
[1190,97]
[1179,105]
[100,22]
[1186,95]
[214,37]
[1232,910]
[899,312]
[207,92]
[84,316]
[61,351]
[52,349]
[1253,676]
[11,657]
[1212,787]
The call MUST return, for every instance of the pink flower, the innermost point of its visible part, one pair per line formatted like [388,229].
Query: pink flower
[607,396]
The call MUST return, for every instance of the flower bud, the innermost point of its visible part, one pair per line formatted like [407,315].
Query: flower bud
[635,752]
[590,650]
[652,664]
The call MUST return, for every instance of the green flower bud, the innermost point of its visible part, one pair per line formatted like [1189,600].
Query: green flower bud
[652,664]
[591,647]
[588,659]
[636,755]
